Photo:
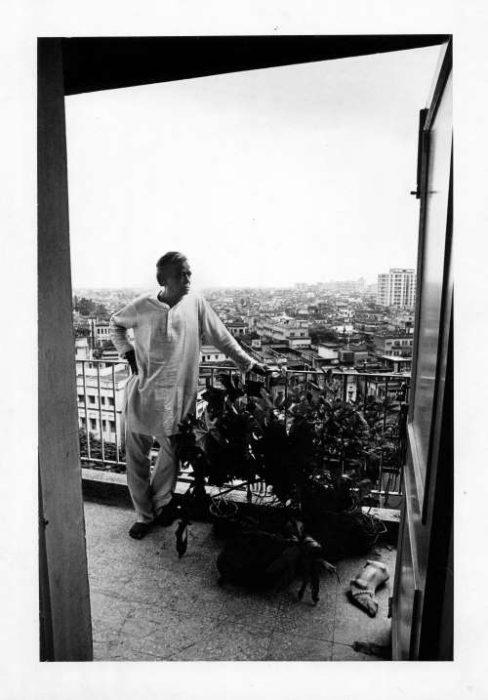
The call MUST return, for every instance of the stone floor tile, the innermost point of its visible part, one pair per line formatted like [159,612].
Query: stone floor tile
[304,618]
[227,642]
[107,608]
[162,633]
[190,594]
[345,652]
[353,624]
[252,609]
[294,647]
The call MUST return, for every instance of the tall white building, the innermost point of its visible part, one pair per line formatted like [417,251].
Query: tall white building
[397,288]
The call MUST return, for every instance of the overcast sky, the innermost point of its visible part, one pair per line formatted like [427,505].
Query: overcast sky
[263,178]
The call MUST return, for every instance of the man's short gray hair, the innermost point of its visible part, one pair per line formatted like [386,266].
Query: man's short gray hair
[171,258]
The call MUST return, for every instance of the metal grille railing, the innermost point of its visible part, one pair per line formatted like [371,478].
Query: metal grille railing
[101,385]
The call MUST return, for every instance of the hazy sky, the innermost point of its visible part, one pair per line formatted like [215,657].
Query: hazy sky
[267,177]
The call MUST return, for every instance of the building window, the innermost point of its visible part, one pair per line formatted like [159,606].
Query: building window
[83,422]
[110,400]
[104,425]
[103,400]
[93,424]
[81,398]
[91,398]
[112,426]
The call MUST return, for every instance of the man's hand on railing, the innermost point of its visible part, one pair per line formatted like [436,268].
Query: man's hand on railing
[130,356]
[260,369]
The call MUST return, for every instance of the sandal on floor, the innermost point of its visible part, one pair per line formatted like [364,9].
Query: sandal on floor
[363,587]
[168,514]
[139,530]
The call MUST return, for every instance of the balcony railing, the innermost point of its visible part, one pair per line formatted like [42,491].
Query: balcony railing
[100,389]
[101,384]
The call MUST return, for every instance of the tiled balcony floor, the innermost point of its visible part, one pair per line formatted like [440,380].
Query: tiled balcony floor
[149,605]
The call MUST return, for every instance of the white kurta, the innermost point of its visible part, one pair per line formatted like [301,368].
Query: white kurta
[167,344]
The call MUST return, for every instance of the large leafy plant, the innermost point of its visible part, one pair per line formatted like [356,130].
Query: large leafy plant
[312,455]
[242,436]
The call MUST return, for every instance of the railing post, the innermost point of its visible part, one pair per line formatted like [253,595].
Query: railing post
[380,479]
[87,429]
[286,397]
[385,404]
[99,391]
[117,452]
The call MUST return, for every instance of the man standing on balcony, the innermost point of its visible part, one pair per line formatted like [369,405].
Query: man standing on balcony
[168,327]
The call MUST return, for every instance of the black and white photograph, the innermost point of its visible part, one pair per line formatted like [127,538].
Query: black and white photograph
[254,448]
[239,414]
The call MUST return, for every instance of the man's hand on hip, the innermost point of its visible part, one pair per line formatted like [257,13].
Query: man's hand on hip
[130,356]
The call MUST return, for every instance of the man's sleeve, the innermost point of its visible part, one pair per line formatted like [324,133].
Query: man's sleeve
[119,323]
[215,333]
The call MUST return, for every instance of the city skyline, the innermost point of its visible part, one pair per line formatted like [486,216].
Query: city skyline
[290,285]
[263,178]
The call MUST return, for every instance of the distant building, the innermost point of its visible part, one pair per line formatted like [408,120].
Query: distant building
[209,353]
[371,292]
[396,364]
[350,354]
[329,351]
[100,399]
[346,286]
[395,344]
[343,328]
[82,349]
[236,328]
[397,288]
[291,332]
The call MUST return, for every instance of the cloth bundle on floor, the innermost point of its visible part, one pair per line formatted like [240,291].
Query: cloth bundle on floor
[364,586]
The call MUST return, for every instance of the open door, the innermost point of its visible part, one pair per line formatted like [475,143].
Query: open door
[423,593]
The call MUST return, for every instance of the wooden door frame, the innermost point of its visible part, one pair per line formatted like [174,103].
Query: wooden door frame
[427,517]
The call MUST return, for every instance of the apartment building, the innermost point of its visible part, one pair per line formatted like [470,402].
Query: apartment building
[291,332]
[209,353]
[100,394]
[397,288]
[394,343]
[236,328]
[329,351]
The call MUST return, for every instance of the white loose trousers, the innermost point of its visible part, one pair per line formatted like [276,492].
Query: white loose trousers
[149,492]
